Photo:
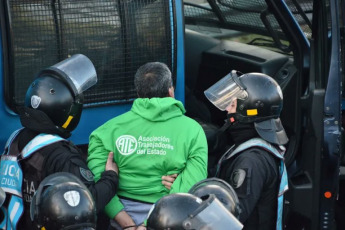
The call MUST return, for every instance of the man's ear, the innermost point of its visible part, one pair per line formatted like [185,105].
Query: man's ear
[172,92]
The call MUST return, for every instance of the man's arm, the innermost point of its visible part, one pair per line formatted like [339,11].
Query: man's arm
[196,165]
[65,157]
[125,221]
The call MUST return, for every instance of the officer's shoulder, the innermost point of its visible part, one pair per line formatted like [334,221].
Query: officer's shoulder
[258,156]
[61,147]
[254,154]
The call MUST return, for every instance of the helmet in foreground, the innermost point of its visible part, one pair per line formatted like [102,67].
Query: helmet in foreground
[62,201]
[186,211]
[221,189]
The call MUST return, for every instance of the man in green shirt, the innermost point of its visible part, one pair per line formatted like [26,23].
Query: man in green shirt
[152,140]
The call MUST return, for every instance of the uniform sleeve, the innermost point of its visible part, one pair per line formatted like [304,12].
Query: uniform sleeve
[62,159]
[196,165]
[247,175]
[97,158]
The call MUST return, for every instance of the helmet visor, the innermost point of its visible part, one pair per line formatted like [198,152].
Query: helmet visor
[223,92]
[212,215]
[79,72]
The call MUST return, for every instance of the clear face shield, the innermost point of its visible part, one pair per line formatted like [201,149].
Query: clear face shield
[212,215]
[223,92]
[78,71]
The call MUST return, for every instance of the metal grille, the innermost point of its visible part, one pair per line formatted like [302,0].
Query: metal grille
[118,36]
[247,14]
[197,12]
[242,15]
[302,11]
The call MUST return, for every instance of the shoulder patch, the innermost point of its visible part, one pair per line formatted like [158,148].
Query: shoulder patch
[237,177]
[86,173]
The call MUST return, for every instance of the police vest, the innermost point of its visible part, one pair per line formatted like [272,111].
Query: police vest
[260,143]
[11,175]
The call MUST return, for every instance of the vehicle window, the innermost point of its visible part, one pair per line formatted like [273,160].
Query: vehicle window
[246,21]
[243,21]
[118,37]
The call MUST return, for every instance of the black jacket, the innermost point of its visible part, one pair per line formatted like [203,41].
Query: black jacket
[254,174]
[61,156]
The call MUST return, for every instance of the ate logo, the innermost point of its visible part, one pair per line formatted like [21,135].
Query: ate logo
[126,144]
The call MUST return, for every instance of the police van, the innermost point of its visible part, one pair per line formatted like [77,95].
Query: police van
[298,43]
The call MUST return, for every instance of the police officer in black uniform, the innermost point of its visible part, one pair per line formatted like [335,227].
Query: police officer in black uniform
[254,165]
[53,107]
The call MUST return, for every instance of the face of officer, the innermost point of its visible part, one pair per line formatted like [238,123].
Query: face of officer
[231,108]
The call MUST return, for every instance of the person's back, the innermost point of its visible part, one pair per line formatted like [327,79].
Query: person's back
[153,139]
[149,144]
[53,107]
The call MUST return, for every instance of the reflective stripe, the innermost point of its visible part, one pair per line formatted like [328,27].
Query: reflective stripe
[39,142]
[259,143]
[16,205]
[252,112]
[283,186]
[69,119]
[11,138]
[16,209]
[11,175]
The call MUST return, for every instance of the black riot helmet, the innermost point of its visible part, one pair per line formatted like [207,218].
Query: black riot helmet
[63,202]
[58,91]
[185,211]
[221,189]
[259,101]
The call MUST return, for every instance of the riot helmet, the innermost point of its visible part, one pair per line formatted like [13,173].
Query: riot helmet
[58,91]
[186,211]
[63,202]
[259,101]
[221,189]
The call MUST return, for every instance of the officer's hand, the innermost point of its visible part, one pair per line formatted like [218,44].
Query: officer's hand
[111,165]
[168,180]
[141,227]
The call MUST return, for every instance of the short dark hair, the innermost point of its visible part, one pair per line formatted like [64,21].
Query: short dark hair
[153,80]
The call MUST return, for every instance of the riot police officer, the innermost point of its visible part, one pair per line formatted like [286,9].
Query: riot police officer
[254,165]
[53,106]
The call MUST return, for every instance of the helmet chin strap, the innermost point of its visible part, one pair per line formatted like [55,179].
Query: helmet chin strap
[231,118]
